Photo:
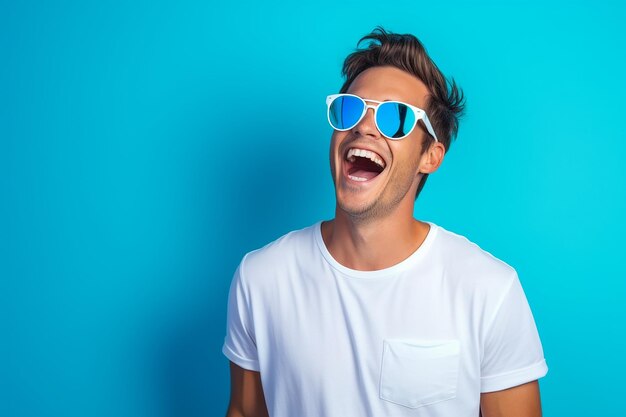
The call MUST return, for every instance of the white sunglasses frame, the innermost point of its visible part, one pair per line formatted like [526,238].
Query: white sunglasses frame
[419,115]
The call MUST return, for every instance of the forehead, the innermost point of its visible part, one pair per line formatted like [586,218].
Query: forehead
[389,83]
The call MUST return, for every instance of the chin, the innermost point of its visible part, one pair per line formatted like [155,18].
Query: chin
[359,210]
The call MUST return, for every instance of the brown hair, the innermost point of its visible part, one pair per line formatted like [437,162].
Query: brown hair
[445,103]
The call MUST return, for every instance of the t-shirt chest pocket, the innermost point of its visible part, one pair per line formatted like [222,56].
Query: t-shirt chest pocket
[415,373]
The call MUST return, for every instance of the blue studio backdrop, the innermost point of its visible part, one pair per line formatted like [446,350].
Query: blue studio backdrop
[146,146]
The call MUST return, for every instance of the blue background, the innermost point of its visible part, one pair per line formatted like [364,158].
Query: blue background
[145,147]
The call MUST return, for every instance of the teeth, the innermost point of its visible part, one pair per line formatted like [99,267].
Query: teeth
[365,154]
[353,178]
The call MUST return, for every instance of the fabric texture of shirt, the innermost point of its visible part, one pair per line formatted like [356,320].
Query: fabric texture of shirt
[424,337]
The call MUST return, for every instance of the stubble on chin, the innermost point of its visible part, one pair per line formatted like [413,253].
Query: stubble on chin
[370,210]
[377,208]
[363,213]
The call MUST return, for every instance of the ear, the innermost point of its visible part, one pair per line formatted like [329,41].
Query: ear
[432,158]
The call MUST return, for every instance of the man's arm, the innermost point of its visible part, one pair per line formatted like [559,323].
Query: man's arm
[246,393]
[520,401]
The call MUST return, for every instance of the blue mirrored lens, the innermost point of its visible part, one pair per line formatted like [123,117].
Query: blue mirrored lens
[395,120]
[345,112]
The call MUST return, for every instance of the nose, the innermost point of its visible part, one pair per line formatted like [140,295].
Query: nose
[367,125]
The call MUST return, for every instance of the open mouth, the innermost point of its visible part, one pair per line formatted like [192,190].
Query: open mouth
[363,165]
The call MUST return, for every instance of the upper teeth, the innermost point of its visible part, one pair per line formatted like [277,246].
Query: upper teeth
[365,154]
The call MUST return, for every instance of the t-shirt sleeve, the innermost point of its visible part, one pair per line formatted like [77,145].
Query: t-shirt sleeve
[240,344]
[512,353]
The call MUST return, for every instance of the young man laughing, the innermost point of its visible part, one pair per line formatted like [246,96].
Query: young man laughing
[375,313]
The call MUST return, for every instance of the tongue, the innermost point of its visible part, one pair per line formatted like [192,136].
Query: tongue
[363,174]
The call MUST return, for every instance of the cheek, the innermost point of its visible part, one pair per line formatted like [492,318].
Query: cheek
[406,158]
[335,141]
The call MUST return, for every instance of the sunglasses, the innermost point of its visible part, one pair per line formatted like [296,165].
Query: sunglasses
[394,119]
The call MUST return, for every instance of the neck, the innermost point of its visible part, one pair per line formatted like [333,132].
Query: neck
[373,244]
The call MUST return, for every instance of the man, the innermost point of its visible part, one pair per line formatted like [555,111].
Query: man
[375,313]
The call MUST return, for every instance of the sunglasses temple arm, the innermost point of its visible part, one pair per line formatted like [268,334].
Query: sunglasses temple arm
[429,127]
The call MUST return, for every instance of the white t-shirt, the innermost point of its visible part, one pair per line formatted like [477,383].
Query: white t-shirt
[421,338]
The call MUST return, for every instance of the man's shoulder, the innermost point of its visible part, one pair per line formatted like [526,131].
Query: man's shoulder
[470,261]
[287,247]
